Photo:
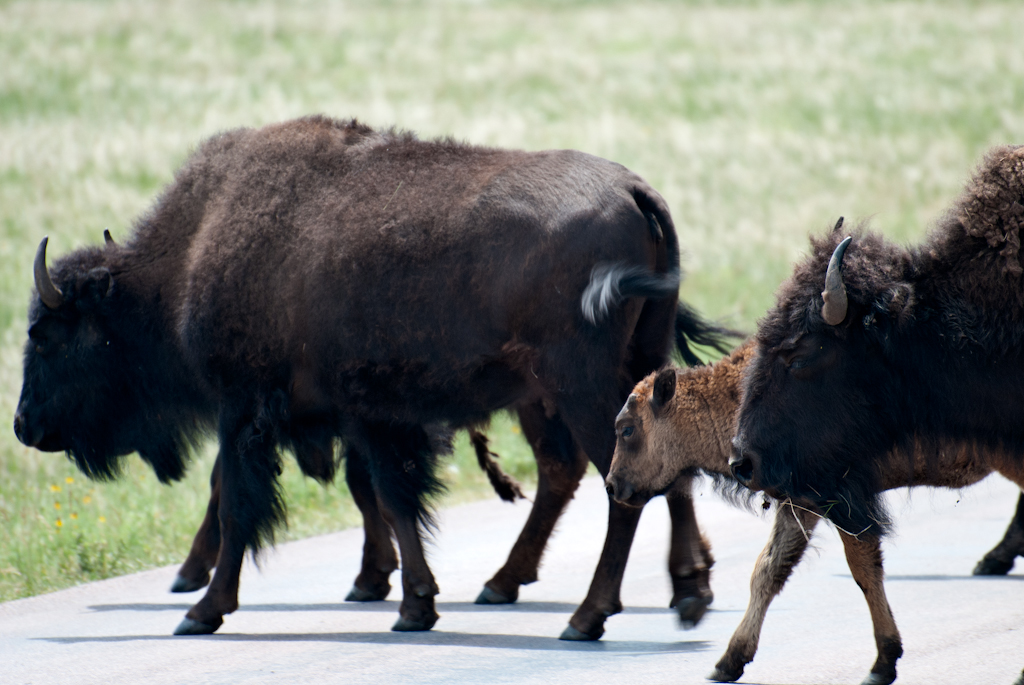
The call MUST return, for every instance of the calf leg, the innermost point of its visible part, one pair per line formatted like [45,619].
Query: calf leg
[194,574]
[379,558]
[249,507]
[789,539]
[560,466]
[999,560]
[689,558]
[864,557]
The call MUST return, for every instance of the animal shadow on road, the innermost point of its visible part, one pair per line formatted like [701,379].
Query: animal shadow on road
[385,606]
[434,637]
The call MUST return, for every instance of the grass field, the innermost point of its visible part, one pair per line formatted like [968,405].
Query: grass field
[758,121]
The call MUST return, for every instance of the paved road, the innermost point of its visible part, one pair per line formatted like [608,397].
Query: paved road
[293,626]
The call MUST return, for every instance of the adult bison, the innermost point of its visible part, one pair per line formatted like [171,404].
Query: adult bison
[920,346]
[316,280]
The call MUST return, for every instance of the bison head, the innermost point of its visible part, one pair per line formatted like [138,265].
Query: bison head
[90,384]
[825,396]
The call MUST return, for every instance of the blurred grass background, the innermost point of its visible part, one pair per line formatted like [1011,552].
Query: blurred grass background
[758,121]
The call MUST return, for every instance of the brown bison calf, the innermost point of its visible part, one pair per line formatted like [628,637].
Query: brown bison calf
[677,422]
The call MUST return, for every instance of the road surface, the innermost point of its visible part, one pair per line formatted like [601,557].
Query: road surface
[294,627]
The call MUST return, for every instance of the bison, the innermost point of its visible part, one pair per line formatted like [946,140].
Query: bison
[905,348]
[678,422]
[318,281]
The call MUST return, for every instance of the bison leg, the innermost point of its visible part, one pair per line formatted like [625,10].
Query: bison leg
[401,461]
[560,466]
[999,560]
[689,558]
[602,599]
[194,574]
[864,557]
[249,508]
[786,545]
[379,559]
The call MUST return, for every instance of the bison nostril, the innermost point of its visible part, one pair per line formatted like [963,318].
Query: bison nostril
[742,469]
[19,426]
[609,488]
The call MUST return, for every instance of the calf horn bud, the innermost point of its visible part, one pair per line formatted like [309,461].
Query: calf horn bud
[834,294]
[48,292]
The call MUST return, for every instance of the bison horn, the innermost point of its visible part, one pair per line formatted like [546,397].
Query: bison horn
[107,238]
[834,294]
[48,292]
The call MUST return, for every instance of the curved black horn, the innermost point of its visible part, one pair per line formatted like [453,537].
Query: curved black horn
[834,294]
[107,239]
[48,292]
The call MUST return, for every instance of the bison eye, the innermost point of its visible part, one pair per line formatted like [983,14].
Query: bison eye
[627,431]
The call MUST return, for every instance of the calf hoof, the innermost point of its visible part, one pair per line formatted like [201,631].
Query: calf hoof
[189,626]
[720,675]
[489,596]
[878,679]
[357,594]
[407,625]
[574,635]
[691,610]
[182,584]
[992,567]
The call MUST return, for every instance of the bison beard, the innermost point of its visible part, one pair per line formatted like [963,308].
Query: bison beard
[317,280]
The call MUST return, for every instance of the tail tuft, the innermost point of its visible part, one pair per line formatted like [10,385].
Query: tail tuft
[610,284]
[691,329]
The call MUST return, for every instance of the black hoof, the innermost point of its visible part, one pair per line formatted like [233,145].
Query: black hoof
[878,679]
[190,627]
[691,610]
[707,599]
[359,595]
[574,635]
[489,596]
[405,625]
[720,676]
[992,567]
[182,584]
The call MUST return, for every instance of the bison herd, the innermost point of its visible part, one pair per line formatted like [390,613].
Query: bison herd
[355,296]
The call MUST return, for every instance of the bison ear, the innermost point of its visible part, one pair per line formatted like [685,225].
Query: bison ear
[664,389]
[897,303]
[97,285]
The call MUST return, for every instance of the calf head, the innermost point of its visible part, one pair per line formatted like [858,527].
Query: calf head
[650,449]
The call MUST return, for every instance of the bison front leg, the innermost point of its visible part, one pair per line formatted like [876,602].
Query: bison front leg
[249,508]
[999,560]
[560,466]
[864,557]
[790,536]
[689,558]
[379,559]
[194,574]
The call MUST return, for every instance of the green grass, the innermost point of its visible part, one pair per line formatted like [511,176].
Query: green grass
[759,122]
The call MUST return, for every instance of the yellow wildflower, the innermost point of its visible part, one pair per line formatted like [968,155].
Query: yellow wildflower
[103,519]
[74,515]
[69,480]
[56,505]
[86,499]
[516,430]
[54,488]
[59,523]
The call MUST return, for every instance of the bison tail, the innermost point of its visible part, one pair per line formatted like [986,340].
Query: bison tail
[610,284]
[506,486]
[692,330]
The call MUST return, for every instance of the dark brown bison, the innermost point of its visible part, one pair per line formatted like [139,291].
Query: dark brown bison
[316,281]
[678,422]
[904,347]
